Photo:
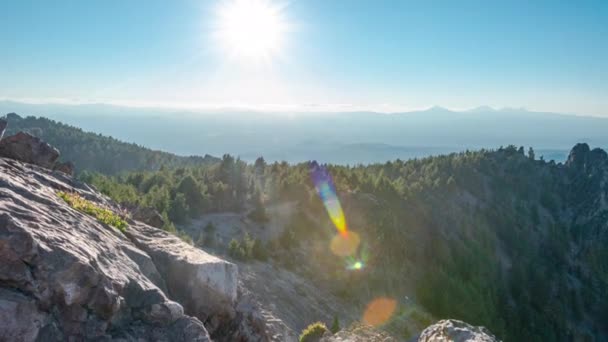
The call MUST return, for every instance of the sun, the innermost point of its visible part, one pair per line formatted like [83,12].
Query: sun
[251,29]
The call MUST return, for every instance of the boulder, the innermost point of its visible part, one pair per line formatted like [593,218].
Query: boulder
[21,319]
[451,330]
[66,167]
[66,276]
[148,216]
[204,284]
[30,149]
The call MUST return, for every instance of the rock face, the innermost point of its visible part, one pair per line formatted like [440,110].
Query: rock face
[455,331]
[30,149]
[147,215]
[582,158]
[65,276]
[205,284]
[3,124]
[67,168]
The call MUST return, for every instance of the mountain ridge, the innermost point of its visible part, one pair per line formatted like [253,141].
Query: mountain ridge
[297,138]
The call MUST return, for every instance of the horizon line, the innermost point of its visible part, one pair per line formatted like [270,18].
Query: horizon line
[311,108]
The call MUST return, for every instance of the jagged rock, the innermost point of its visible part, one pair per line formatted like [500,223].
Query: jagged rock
[582,159]
[204,284]
[30,149]
[12,117]
[3,124]
[359,333]
[254,324]
[147,215]
[451,330]
[65,276]
[67,168]
[20,318]
[578,156]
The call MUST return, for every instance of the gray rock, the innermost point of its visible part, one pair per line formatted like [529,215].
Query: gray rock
[148,216]
[67,168]
[65,276]
[20,319]
[204,284]
[30,149]
[451,330]
[3,124]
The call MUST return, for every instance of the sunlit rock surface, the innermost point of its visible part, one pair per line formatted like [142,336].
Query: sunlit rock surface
[205,284]
[451,330]
[63,275]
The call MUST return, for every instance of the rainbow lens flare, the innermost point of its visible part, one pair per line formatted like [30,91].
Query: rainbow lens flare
[346,242]
[327,192]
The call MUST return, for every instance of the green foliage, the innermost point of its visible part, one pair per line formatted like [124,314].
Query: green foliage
[482,236]
[313,332]
[247,249]
[258,214]
[335,325]
[209,228]
[179,209]
[205,240]
[236,250]
[102,215]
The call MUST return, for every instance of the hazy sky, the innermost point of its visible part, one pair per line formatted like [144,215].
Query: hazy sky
[338,54]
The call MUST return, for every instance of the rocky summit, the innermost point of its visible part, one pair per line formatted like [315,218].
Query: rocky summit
[64,275]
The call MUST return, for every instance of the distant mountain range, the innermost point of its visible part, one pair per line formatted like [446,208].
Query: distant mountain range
[94,152]
[345,138]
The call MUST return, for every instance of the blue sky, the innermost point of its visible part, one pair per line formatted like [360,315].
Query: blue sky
[342,55]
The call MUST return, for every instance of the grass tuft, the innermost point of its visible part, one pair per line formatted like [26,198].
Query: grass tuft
[313,332]
[102,215]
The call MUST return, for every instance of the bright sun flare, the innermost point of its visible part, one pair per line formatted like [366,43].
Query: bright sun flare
[251,29]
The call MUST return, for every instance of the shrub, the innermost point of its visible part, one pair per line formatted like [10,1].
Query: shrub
[248,248]
[209,228]
[102,215]
[259,251]
[313,332]
[205,240]
[235,250]
[335,325]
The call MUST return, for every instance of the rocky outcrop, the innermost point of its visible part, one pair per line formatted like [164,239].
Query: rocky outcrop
[582,158]
[147,215]
[66,276]
[67,168]
[204,284]
[451,330]
[30,149]
[3,124]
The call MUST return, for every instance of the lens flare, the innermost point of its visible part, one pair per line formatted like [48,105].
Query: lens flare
[379,311]
[345,244]
[327,192]
[355,266]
